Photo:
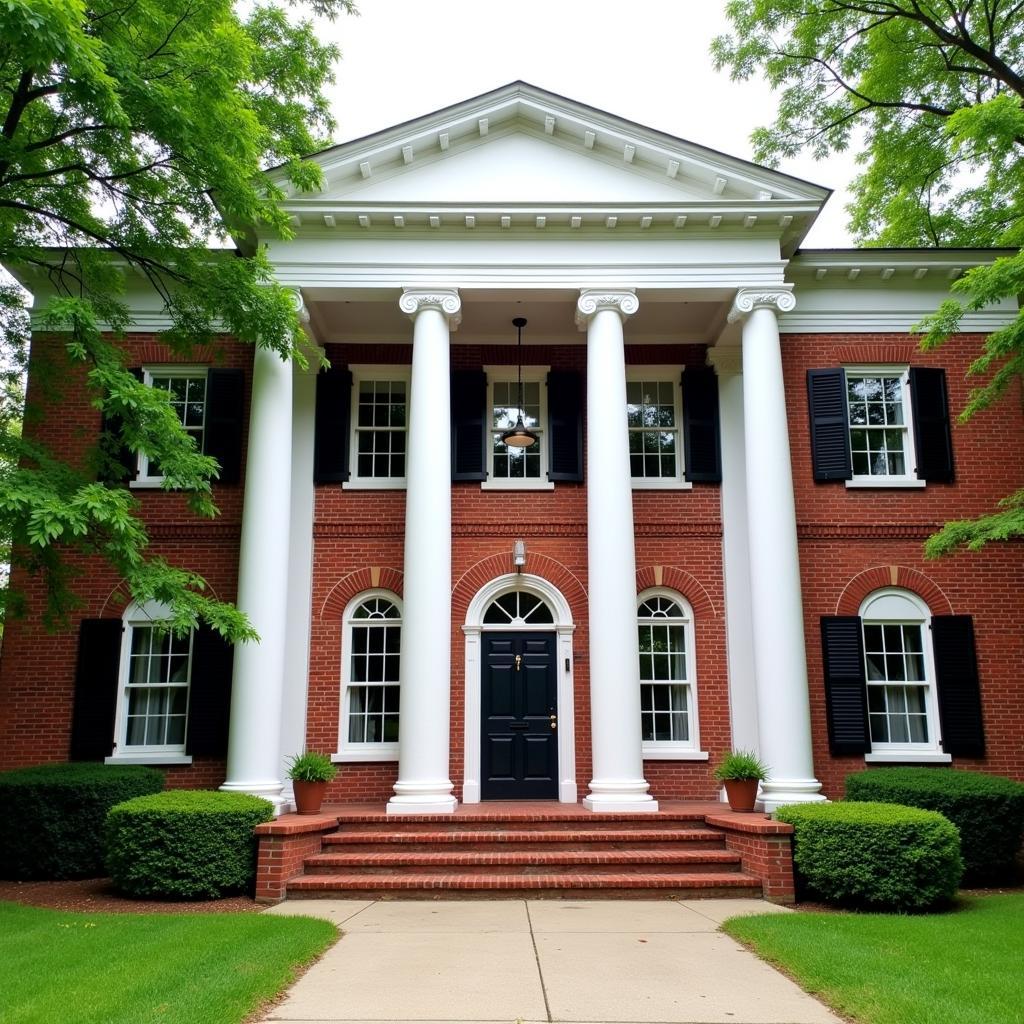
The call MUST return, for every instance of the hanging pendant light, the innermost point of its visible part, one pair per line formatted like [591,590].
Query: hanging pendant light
[520,436]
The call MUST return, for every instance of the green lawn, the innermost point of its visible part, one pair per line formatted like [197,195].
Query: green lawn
[961,967]
[142,968]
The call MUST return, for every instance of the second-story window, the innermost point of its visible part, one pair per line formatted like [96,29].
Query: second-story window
[380,412]
[654,416]
[186,389]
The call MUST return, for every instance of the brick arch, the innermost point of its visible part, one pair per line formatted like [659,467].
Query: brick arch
[121,595]
[367,578]
[496,565]
[679,580]
[881,576]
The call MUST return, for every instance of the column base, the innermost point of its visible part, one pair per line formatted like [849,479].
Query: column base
[626,796]
[775,793]
[422,798]
[271,791]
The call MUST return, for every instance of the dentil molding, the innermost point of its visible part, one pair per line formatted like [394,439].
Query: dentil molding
[747,300]
[591,301]
[446,301]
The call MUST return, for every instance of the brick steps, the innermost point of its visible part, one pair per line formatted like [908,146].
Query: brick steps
[701,884]
[528,861]
[547,851]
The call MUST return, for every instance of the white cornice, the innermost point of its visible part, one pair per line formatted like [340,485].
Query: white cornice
[861,321]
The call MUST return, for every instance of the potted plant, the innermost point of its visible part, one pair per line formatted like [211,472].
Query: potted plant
[310,773]
[740,771]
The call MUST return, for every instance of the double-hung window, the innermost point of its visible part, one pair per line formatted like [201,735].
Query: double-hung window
[371,652]
[668,705]
[380,415]
[654,418]
[186,390]
[509,467]
[881,441]
[902,714]
[155,676]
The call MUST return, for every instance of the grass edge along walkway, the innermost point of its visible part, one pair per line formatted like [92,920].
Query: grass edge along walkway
[148,968]
[958,967]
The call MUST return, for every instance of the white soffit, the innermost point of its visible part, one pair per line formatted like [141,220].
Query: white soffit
[541,151]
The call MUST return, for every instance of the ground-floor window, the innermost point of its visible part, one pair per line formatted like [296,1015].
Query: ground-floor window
[668,715]
[371,658]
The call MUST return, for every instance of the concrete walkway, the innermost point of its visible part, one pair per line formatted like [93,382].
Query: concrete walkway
[538,961]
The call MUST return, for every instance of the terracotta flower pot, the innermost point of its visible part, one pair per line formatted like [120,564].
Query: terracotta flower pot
[742,793]
[309,796]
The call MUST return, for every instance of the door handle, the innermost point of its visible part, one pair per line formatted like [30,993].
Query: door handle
[554,721]
[519,661]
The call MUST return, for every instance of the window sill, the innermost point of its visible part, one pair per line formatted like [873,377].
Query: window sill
[388,753]
[148,758]
[374,485]
[883,483]
[908,757]
[147,484]
[657,485]
[517,485]
[667,753]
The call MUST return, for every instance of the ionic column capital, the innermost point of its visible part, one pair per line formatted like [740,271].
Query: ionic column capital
[298,304]
[780,300]
[592,300]
[445,300]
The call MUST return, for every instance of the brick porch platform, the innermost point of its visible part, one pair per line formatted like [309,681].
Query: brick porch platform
[497,849]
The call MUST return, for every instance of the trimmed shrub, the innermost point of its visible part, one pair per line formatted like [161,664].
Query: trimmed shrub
[52,816]
[185,844]
[874,856]
[987,809]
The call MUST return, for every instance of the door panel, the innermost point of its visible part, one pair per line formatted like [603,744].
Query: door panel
[519,748]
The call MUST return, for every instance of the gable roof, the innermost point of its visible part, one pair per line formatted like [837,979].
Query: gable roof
[520,155]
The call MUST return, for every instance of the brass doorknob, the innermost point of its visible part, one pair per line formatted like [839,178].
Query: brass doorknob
[554,721]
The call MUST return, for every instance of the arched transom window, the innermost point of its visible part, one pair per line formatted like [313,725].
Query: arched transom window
[518,608]
[371,660]
[668,712]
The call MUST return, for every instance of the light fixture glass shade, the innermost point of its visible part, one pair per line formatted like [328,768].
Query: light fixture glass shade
[520,436]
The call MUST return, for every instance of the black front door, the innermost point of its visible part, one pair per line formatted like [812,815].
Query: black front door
[519,749]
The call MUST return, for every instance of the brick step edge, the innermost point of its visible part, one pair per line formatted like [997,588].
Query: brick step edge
[553,881]
[447,859]
[528,836]
[519,819]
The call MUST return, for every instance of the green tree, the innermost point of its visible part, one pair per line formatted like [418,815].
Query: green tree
[133,137]
[931,92]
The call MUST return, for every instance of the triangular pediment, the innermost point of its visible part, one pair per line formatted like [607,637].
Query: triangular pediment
[521,155]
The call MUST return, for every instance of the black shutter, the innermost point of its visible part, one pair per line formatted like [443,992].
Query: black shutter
[209,699]
[222,438]
[118,463]
[956,676]
[96,689]
[469,425]
[701,433]
[565,425]
[842,651]
[932,439]
[333,424]
[830,424]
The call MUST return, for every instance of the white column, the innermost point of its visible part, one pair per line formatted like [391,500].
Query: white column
[618,783]
[423,785]
[254,743]
[780,661]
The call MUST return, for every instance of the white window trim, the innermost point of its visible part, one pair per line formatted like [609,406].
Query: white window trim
[910,478]
[144,615]
[674,750]
[366,371]
[932,750]
[143,480]
[356,752]
[671,375]
[531,374]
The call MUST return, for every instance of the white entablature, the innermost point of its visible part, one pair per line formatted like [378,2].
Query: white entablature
[525,160]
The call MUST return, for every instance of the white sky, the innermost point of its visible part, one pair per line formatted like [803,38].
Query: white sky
[646,60]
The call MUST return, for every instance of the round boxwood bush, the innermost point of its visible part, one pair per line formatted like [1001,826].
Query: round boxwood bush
[53,816]
[185,844]
[987,809]
[874,856]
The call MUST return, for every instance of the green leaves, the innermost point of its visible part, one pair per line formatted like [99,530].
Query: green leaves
[132,137]
[933,94]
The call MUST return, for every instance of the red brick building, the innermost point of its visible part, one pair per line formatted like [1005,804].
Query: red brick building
[711,536]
